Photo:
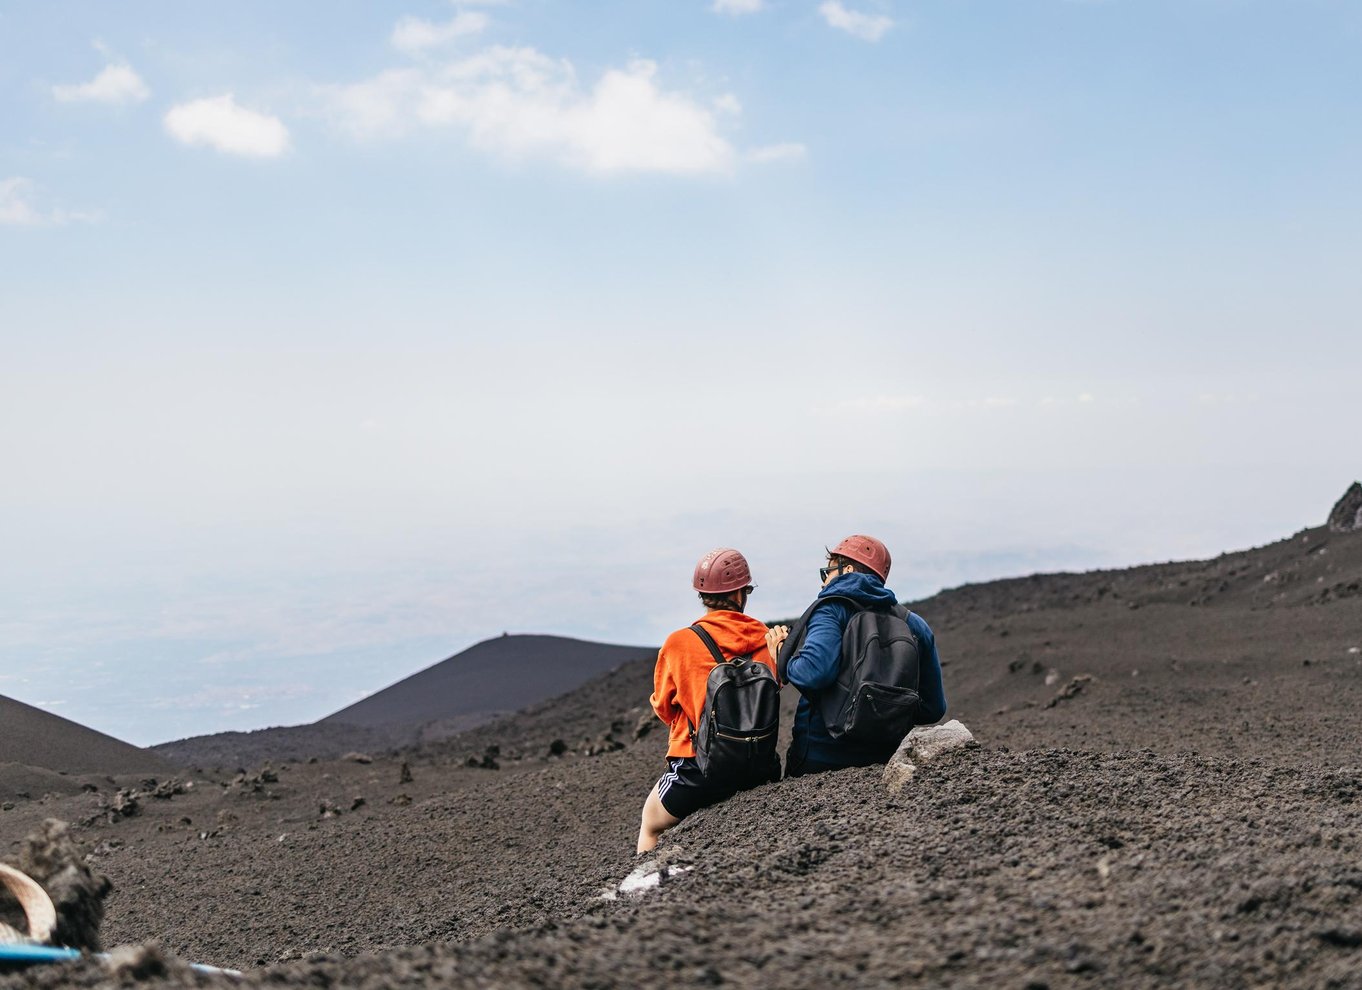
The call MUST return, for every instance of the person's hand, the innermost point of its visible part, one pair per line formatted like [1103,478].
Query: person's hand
[775,636]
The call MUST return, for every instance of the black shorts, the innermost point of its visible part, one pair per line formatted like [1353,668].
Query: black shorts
[684,790]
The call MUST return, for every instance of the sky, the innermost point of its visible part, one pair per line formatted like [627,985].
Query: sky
[340,336]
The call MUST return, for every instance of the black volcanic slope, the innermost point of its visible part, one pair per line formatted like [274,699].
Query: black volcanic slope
[34,738]
[498,675]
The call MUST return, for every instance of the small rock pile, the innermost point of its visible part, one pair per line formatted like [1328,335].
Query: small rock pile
[610,741]
[254,783]
[127,801]
[607,742]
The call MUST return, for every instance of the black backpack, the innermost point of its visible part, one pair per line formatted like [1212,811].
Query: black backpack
[736,741]
[874,700]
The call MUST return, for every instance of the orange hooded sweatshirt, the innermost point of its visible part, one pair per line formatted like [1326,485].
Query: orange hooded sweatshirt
[683,666]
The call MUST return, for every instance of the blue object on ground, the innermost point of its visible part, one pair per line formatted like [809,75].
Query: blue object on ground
[30,955]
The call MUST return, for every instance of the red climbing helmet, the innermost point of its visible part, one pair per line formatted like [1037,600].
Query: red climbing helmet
[721,571]
[868,551]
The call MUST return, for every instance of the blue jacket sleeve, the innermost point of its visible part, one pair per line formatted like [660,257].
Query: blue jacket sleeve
[929,686]
[814,667]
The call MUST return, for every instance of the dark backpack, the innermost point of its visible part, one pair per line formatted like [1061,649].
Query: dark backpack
[736,739]
[874,700]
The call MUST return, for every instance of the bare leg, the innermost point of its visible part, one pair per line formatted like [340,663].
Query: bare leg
[656,820]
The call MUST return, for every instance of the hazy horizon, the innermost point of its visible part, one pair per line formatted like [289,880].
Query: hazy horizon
[123,671]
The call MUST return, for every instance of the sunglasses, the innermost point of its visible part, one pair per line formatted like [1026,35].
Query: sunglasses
[823,572]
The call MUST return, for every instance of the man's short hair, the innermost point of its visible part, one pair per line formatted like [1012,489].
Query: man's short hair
[856,566]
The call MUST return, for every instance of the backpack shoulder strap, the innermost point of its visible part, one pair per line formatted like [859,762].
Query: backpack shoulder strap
[851,603]
[715,652]
[708,640]
[796,638]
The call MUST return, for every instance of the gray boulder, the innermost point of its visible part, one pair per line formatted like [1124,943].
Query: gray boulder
[924,743]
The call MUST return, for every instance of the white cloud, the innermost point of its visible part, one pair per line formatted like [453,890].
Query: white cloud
[728,103]
[520,103]
[218,122]
[19,207]
[735,8]
[413,35]
[787,152]
[115,84]
[867,27]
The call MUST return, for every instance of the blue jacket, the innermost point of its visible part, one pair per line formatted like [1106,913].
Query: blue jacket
[814,667]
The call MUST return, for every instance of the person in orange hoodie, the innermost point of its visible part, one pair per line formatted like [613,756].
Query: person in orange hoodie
[724,582]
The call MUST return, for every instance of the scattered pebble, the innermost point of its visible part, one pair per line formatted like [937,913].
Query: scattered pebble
[1070,690]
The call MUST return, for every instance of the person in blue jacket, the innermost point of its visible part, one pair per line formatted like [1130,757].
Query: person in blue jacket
[857,568]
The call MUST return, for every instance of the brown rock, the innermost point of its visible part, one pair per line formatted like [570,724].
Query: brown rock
[1070,690]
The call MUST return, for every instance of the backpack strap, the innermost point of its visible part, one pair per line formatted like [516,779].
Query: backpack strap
[796,638]
[708,640]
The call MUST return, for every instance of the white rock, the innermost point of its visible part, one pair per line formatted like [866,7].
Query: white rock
[926,742]
[647,876]
[897,774]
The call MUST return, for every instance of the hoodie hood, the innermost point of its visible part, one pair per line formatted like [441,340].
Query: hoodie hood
[734,633]
[867,589]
